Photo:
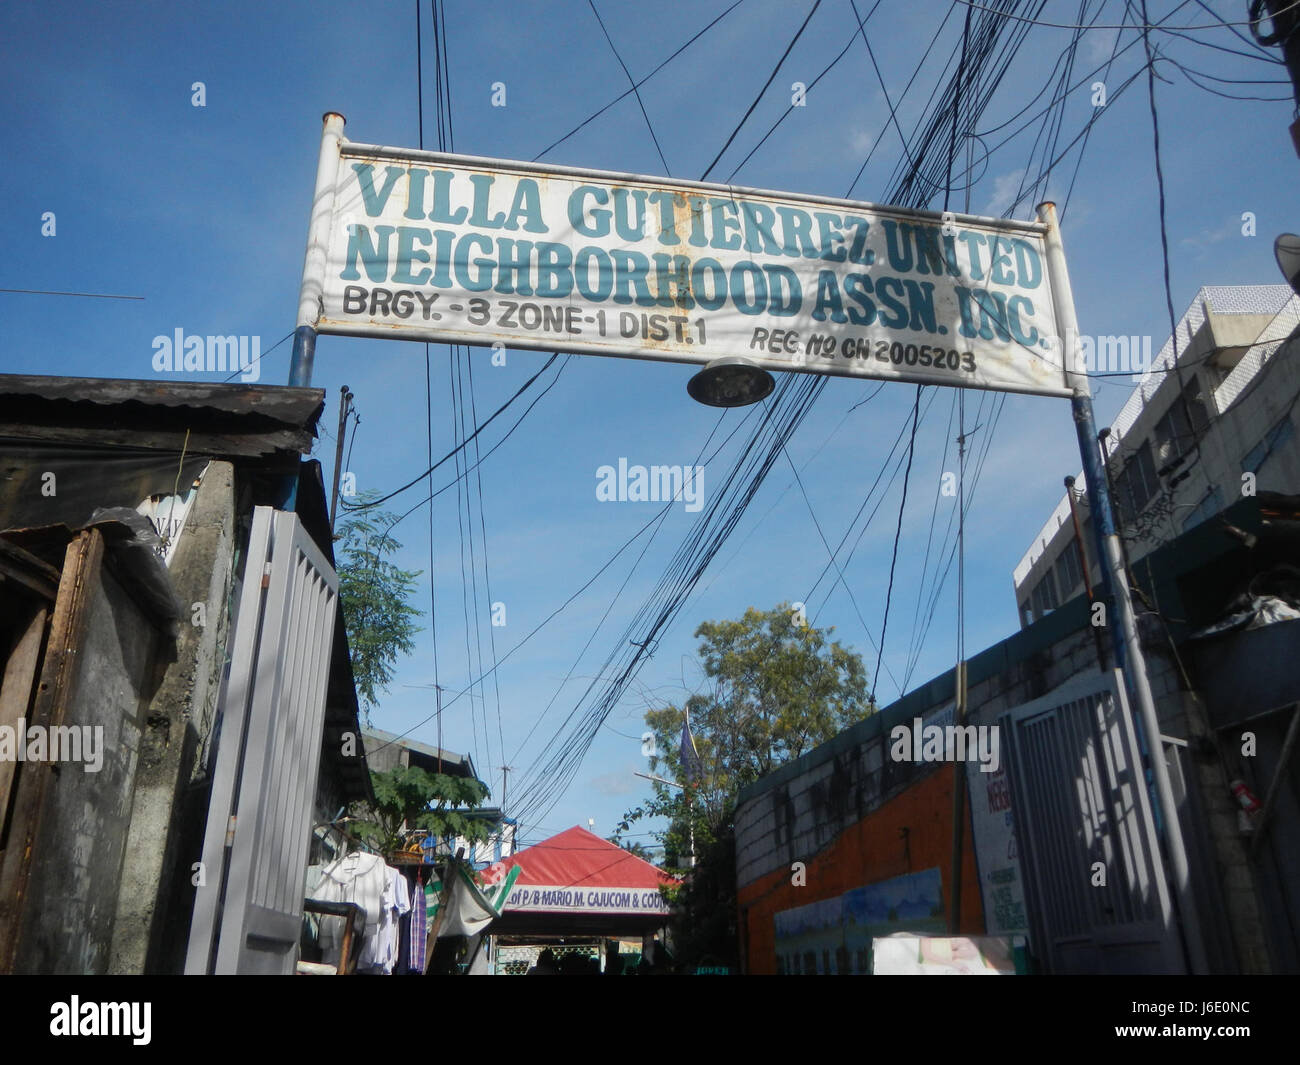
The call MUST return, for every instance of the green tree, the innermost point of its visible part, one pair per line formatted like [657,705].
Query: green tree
[408,797]
[779,688]
[375,595]
[633,848]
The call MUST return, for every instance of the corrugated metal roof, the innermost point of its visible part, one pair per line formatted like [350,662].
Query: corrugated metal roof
[221,419]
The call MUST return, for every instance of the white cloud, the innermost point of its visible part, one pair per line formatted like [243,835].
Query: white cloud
[1005,188]
[1099,44]
[1202,241]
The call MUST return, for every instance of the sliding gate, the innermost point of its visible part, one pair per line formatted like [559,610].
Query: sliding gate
[1095,885]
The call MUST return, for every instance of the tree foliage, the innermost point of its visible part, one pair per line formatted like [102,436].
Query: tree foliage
[413,798]
[375,595]
[632,847]
[779,687]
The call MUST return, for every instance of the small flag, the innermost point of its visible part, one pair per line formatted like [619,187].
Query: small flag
[689,756]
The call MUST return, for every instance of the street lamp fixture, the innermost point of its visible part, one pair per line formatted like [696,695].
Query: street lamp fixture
[730,383]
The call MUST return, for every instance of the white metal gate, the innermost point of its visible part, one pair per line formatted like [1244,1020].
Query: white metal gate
[248,913]
[1095,884]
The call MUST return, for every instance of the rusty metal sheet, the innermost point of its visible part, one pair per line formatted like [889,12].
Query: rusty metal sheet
[285,406]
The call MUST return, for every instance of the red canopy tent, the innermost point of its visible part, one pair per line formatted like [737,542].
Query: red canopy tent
[576,883]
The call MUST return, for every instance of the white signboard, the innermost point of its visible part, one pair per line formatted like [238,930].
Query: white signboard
[425,246]
[541,898]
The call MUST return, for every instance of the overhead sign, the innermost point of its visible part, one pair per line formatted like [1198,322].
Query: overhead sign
[557,898]
[427,246]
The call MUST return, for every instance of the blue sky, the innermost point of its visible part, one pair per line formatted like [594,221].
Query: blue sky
[203,212]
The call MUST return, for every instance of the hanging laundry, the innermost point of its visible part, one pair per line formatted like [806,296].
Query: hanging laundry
[363,879]
[397,901]
[419,928]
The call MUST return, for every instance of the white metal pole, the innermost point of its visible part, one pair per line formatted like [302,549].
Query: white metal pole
[313,267]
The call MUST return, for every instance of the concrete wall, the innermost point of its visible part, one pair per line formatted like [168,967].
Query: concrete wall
[842,807]
[98,673]
[167,815]
[908,833]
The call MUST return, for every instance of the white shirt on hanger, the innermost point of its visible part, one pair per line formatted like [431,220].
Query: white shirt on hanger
[397,901]
[363,879]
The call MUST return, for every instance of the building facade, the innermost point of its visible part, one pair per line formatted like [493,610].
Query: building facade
[1217,404]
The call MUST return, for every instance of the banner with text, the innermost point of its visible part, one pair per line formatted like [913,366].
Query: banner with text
[424,246]
[557,898]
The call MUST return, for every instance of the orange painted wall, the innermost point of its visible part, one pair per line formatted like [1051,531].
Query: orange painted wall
[872,850]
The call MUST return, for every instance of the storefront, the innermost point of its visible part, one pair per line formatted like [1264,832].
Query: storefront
[585,900]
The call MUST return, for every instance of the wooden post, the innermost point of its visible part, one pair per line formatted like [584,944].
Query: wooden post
[449,870]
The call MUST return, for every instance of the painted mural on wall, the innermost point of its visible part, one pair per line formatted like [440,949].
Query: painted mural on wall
[833,936]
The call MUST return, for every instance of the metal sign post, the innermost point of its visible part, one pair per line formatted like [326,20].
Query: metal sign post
[311,291]
[1128,647]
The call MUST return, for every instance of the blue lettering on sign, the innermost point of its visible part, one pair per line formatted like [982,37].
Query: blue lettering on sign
[433,228]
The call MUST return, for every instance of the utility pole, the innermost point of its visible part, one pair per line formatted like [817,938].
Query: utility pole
[345,408]
[1083,565]
[959,679]
[504,781]
[313,268]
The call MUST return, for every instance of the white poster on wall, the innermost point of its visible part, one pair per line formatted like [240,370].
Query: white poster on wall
[996,855]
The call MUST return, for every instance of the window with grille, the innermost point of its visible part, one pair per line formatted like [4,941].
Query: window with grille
[1069,574]
[1044,599]
[1183,424]
[1137,484]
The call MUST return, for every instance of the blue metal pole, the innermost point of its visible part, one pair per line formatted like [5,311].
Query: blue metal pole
[1103,518]
[304,355]
[1121,619]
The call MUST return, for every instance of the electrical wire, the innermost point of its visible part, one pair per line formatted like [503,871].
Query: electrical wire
[631,81]
[761,92]
[87,295]
[1148,26]
[898,532]
[551,774]
[567,602]
[461,446]
[261,356]
[622,96]
[790,110]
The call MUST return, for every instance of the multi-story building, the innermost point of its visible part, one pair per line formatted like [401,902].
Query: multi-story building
[1211,420]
